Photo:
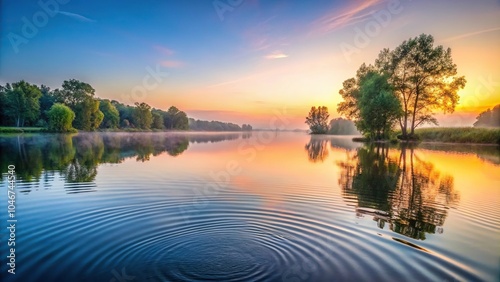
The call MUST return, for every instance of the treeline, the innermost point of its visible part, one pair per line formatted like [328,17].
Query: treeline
[204,125]
[489,118]
[74,106]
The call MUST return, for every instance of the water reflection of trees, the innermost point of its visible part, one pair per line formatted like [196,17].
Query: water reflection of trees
[317,149]
[397,188]
[76,157]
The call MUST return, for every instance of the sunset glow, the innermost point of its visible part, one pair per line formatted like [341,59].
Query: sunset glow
[246,62]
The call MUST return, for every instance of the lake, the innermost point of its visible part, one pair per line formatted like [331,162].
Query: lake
[261,206]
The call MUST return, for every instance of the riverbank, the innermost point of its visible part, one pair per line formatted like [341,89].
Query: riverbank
[456,135]
[459,135]
[7,129]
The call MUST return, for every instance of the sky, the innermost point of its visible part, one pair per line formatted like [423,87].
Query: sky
[242,61]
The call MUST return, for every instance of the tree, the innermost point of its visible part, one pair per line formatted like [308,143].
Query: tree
[3,105]
[379,108]
[350,94]
[489,118]
[318,120]
[46,101]
[157,120]
[424,78]
[370,101]
[22,102]
[126,113]
[79,96]
[176,119]
[111,115]
[60,118]
[142,116]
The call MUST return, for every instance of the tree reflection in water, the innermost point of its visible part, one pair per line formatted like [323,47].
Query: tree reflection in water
[398,188]
[76,157]
[317,149]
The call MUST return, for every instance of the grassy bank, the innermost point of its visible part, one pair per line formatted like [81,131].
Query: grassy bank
[6,129]
[459,135]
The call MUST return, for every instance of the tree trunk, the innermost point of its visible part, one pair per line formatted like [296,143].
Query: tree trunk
[414,112]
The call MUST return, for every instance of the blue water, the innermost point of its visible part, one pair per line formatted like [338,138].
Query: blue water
[248,207]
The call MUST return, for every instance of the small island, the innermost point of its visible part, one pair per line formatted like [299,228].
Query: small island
[390,99]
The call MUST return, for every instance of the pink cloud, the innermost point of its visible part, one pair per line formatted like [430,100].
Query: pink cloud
[354,13]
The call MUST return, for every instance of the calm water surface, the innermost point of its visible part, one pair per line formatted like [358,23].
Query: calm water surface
[249,207]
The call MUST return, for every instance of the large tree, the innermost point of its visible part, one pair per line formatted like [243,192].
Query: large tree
[22,102]
[176,119]
[60,118]
[142,116]
[424,78]
[79,96]
[318,120]
[378,107]
[370,101]
[111,115]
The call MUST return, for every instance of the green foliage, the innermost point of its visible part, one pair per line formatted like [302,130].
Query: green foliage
[378,107]
[318,120]
[369,100]
[424,78]
[157,120]
[60,118]
[176,119]
[111,115]
[46,101]
[460,135]
[22,102]
[9,129]
[79,96]
[204,125]
[489,118]
[126,114]
[142,116]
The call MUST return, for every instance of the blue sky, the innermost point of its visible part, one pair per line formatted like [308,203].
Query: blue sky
[235,60]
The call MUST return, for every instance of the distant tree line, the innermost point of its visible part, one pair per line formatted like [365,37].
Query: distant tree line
[204,125]
[489,118]
[74,106]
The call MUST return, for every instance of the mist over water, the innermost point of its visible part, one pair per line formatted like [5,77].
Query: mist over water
[261,206]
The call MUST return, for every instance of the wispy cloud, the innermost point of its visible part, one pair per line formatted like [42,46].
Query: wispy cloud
[357,11]
[469,34]
[76,16]
[276,55]
[164,50]
[171,64]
